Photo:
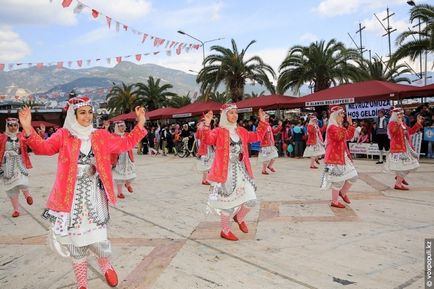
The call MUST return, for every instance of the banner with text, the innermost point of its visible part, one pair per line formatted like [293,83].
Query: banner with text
[367,109]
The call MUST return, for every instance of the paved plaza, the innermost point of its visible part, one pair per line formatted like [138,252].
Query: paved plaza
[162,238]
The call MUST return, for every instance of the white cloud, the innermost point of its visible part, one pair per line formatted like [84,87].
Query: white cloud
[373,25]
[94,36]
[332,8]
[271,56]
[39,12]
[125,10]
[309,38]
[42,12]
[196,13]
[184,61]
[12,47]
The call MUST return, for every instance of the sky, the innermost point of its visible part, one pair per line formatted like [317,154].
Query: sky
[43,31]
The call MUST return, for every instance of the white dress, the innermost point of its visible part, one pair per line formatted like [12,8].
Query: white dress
[125,170]
[337,174]
[15,173]
[239,187]
[315,150]
[403,162]
[268,153]
[86,223]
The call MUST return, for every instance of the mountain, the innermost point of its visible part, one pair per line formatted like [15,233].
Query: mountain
[51,79]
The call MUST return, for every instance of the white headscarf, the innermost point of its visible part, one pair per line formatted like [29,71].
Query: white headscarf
[10,134]
[71,123]
[334,115]
[224,123]
[117,130]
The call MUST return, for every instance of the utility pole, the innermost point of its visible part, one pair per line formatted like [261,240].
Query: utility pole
[389,30]
[360,32]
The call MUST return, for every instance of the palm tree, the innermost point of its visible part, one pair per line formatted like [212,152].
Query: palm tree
[254,94]
[217,96]
[320,63]
[378,70]
[152,95]
[122,98]
[179,101]
[230,67]
[420,42]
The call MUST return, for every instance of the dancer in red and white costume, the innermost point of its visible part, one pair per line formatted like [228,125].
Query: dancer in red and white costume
[402,159]
[339,172]
[124,170]
[268,152]
[15,165]
[315,145]
[205,153]
[78,204]
[233,192]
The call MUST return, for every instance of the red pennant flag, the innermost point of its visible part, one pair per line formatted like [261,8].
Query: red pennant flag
[171,44]
[109,21]
[59,65]
[138,57]
[66,3]
[2,66]
[178,50]
[118,59]
[125,27]
[39,65]
[95,13]
[79,62]
[144,37]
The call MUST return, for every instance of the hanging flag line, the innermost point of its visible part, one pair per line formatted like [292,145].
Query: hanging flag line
[79,62]
[157,41]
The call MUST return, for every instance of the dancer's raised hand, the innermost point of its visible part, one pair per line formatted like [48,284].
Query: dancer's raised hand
[208,117]
[140,115]
[261,114]
[25,116]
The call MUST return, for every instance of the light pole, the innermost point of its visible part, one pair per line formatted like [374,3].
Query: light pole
[201,42]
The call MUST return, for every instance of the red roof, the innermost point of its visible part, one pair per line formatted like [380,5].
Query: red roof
[197,108]
[125,116]
[161,113]
[427,90]
[355,92]
[267,102]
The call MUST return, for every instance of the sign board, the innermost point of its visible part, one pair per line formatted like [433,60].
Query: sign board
[367,109]
[428,134]
[181,115]
[416,139]
[246,109]
[329,102]
[364,149]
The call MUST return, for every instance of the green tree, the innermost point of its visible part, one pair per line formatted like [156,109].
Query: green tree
[254,94]
[378,70]
[415,43]
[179,101]
[229,66]
[122,98]
[153,95]
[217,96]
[320,63]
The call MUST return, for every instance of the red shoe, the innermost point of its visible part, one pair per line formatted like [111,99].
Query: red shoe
[29,200]
[111,277]
[401,187]
[129,188]
[345,198]
[265,173]
[206,183]
[229,236]
[243,226]
[15,214]
[121,196]
[313,167]
[272,169]
[404,182]
[82,287]
[337,205]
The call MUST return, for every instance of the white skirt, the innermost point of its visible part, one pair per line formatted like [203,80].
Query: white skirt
[267,154]
[124,170]
[402,162]
[338,173]
[315,150]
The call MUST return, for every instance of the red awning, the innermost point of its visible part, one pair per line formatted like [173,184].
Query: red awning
[266,102]
[38,123]
[197,108]
[160,113]
[126,116]
[354,92]
[427,90]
